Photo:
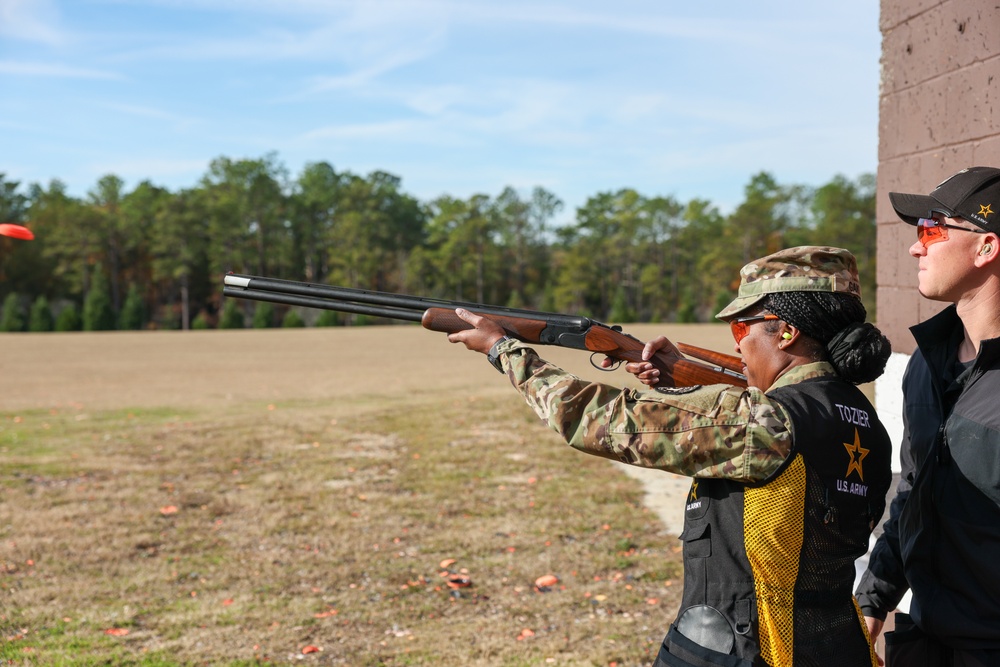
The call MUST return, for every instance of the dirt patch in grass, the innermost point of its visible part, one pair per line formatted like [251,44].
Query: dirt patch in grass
[244,497]
[223,368]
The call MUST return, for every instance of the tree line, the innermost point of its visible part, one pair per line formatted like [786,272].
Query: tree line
[154,258]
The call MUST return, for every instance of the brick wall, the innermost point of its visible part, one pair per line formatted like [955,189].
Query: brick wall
[939,111]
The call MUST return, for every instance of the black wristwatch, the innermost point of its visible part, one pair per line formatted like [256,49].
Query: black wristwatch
[493,356]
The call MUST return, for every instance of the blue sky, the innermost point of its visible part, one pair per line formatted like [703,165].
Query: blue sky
[687,99]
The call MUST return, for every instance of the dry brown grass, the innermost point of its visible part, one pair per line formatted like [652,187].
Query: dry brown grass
[320,477]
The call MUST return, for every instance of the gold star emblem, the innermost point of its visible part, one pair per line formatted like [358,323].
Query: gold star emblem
[858,454]
[985,210]
[694,490]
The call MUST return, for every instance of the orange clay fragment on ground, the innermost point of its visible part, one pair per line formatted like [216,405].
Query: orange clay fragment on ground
[459,581]
[446,563]
[310,649]
[116,632]
[168,509]
[546,580]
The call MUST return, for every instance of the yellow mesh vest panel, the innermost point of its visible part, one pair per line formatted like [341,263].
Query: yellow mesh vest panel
[864,626]
[773,518]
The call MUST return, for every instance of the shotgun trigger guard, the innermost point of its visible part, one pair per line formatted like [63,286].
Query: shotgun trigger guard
[613,367]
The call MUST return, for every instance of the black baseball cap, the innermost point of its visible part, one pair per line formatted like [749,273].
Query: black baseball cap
[972,194]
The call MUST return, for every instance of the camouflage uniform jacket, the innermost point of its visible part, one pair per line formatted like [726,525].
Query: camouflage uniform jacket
[771,539]
[717,431]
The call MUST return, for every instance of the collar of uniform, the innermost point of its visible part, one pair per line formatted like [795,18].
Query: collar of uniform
[938,328]
[937,336]
[804,372]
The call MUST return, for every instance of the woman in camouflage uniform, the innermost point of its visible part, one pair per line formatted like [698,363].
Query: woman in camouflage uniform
[789,474]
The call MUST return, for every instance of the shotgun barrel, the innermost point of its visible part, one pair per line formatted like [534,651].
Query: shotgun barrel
[531,326]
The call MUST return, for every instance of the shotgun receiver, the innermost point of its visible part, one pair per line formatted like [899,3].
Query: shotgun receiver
[582,333]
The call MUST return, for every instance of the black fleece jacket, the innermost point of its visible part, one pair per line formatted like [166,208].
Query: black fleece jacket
[942,538]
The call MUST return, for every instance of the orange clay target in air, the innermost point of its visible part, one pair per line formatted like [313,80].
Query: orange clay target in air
[16,231]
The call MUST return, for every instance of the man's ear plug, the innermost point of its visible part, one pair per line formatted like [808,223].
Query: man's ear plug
[786,336]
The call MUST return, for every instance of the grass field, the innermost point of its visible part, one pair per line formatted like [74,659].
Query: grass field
[306,497]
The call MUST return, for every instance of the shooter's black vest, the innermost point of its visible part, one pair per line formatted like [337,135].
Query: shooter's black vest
[769,568]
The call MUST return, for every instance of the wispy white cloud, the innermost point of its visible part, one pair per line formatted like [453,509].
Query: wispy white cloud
[361,30]
[546,112]
[513,112]
[349,32]
[659,19]
[57,70]
[391,130]
[30,21]
[356,77]
[151,113]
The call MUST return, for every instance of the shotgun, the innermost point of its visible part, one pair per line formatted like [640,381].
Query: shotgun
[529,326]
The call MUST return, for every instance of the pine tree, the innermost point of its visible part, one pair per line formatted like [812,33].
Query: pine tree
[263,315]
[620,311]
[11,318]
[133,313]
[232,316]
[687,309]
[98,314]
[40,317]
[292,320]
[328,318]
[68,319]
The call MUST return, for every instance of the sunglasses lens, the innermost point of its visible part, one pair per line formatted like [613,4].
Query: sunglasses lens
[929,231]
[741,327]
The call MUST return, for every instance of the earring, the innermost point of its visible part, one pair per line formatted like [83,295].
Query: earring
[786,336]
[987,249]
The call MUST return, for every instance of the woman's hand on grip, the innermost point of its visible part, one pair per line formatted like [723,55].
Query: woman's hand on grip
[481,337]
[645,371]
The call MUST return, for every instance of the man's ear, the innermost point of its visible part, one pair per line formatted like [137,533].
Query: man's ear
[989,249]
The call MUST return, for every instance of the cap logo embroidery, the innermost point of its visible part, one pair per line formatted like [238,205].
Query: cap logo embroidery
[985,210]
[951,177]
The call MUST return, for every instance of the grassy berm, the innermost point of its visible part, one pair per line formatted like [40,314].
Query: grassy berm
[369,496]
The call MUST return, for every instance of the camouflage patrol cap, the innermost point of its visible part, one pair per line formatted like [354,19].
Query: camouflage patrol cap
[801,269]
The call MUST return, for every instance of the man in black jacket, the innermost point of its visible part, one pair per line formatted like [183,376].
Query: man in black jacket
[942,539]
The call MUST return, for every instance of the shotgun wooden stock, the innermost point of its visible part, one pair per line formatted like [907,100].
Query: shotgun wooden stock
[727,361]
[675,370]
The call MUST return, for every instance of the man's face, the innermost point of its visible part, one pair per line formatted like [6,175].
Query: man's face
[946,257]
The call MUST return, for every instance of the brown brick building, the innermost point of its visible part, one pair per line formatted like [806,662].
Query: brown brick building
[939,111]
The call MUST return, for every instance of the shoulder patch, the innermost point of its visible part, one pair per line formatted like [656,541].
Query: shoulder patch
[677,390]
